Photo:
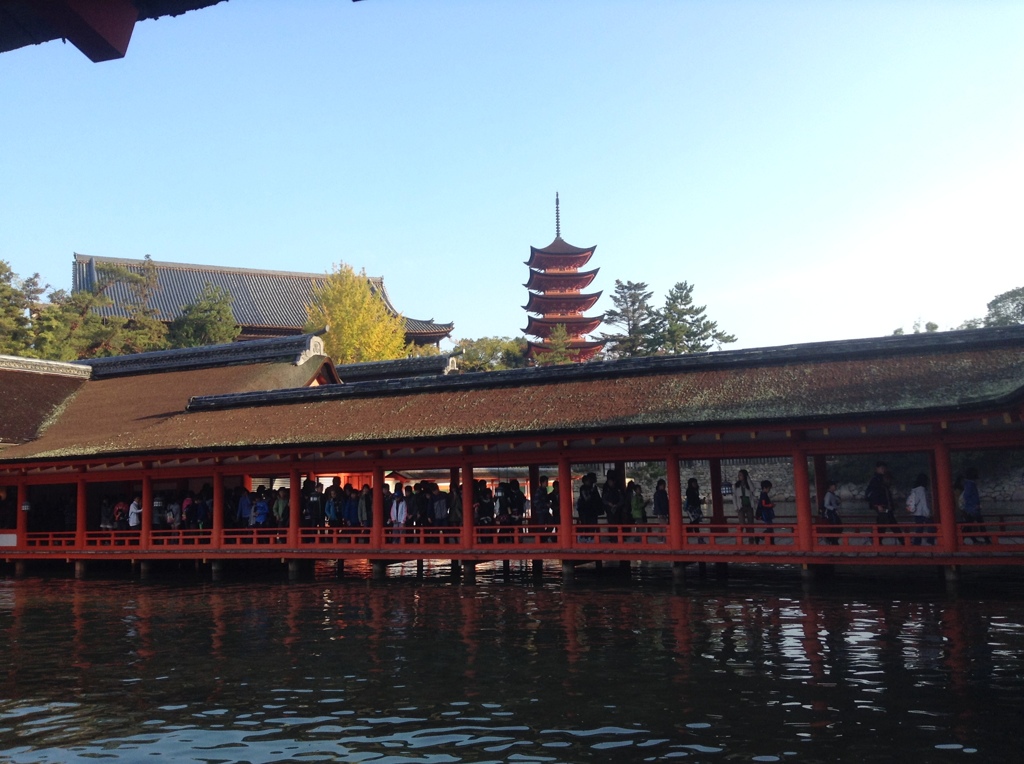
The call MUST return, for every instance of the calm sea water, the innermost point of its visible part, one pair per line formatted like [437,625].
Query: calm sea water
[873,666]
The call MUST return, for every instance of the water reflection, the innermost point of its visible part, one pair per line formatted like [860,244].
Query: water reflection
[425,670]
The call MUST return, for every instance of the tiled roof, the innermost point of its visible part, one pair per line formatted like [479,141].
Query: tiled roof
[260,299]
[936,374]
[32,391]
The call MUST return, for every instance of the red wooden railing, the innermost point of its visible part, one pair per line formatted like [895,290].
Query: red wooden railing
[1001,534]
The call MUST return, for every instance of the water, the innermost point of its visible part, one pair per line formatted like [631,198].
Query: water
[869,666]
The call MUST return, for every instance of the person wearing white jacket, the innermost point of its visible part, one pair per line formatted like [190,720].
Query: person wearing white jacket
[917,505]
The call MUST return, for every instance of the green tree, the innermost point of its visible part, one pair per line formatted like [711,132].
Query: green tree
[71,327]
[637,320]
[929,327]
[359,325]
[560,350]
[685,327]
[1006,309]
[18,299]
[492,353]
[207,321]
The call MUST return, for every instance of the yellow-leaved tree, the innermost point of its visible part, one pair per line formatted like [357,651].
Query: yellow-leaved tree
[359,326]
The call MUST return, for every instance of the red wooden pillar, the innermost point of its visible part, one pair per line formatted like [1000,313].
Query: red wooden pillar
[820,478]
[945,502]
[717,506]
[566,536]
[675,502]
[147,511]
[294,506]
[377,508]
[802,490]
[467,505]
[81,504]
[218,509]
[22,525]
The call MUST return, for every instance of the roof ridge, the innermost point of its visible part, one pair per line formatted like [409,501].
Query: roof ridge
[171,265]
[43,366]
[812,352]
[298,348]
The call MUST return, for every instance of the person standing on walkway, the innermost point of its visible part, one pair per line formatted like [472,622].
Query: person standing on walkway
[830,507]
[660,509]
[744,496]
[135,514]
[766,510]
[879,496]
[971,499]
[917,505]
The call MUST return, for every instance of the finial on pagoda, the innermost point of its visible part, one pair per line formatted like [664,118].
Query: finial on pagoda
[558,222]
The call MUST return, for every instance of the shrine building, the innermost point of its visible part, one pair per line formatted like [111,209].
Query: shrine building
[264,303]
[220,419]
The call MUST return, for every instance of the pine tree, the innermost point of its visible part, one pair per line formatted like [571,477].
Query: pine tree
[684,326]
[71,327]
[559,346]
[18,298]
[207,321]
[636,318]
[359,325]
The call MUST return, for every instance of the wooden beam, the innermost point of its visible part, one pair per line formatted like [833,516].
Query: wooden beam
[101,29]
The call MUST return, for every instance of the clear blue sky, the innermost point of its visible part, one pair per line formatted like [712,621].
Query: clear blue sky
[820,170]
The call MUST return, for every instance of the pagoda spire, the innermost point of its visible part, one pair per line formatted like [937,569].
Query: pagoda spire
[558,222]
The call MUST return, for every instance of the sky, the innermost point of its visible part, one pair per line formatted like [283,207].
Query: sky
[818,170]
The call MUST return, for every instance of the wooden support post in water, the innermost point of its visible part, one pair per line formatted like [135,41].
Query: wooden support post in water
[802,491]
[294,506]
[147,511]
[566,537]
[945,500]
[81,506]
[81,569]
[717,502]
[679,572]
[378,519]
[380,570]
[218,508]
[217,569]
[467,505]
[469,572]
[294,570]
[568,571]
[675,501]
[22,520]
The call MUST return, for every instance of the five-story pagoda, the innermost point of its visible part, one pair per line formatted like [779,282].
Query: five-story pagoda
[556,287]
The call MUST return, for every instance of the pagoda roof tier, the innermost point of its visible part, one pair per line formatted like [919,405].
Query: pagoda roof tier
[574,325]
[559,255]
[553,281]
[568,303]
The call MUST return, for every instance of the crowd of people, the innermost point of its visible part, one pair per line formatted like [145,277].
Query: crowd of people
[615,502]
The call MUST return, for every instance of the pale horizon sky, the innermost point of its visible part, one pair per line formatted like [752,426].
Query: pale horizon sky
[819,170]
